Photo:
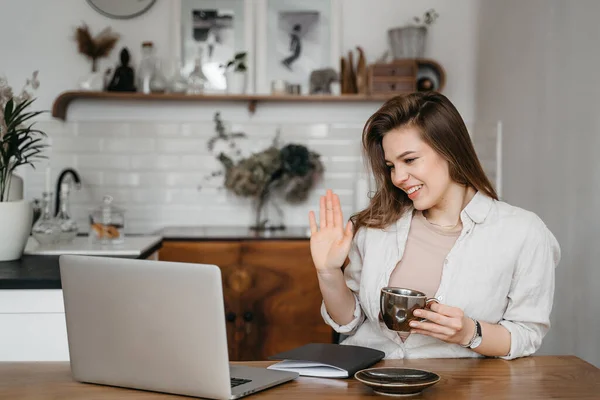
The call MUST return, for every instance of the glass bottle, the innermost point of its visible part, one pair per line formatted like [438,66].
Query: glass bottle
[107,223]
[197,79]
[46,231]
[146,68]
[68,226]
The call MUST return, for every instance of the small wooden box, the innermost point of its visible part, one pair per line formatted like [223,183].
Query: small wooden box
[399,76]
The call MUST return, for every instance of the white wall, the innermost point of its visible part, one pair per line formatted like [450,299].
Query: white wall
[37,34]
[537,72]
[154,155]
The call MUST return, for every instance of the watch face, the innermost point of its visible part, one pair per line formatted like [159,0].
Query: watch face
[476,342]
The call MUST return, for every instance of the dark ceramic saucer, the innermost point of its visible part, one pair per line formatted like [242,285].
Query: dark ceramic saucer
[394,381]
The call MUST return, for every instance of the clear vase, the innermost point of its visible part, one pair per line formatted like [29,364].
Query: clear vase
[68,226]
[176,78]
[196,82]
[46,230]
[268,214]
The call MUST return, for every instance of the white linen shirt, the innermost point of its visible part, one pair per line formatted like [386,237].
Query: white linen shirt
[500,271]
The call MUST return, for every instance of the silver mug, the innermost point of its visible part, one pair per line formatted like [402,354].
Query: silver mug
[398,304]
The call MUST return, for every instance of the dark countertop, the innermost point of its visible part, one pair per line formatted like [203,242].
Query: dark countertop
[30,272]
[206,233]
[42,271]
[39,272]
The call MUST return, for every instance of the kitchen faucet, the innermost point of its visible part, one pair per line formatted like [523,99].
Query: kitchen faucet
[65,174]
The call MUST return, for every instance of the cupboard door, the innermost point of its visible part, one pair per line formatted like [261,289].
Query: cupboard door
[281,311]
[226,255]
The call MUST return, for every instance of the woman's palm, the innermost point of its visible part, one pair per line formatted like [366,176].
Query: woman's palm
[330,242]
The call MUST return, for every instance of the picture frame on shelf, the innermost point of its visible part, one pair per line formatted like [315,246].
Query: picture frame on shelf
[213,31]
[294,38]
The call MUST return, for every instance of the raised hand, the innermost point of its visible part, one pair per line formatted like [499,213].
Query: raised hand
[329,242]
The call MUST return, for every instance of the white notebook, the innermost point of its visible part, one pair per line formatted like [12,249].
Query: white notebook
[309,368]
[326,360]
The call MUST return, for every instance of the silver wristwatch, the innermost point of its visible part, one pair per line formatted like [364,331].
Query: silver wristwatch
[477,337]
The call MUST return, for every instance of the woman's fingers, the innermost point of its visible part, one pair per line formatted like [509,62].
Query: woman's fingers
[329,208]
[428,333]
[349,229]
[330,213]
[322,211]
[312,222]
[338,218]
[432,316]
[432,327]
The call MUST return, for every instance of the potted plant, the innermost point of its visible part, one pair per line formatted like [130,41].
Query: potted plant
[236,74]
[409,41]
[275,173]
[20,144]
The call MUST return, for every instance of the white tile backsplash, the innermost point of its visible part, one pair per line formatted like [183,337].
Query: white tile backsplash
[182,146]
[129,146]
[103,162]
[76,145]
[103,129]
[150,130]
[157,171]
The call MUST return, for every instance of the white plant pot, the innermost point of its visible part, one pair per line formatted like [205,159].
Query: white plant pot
[16,188]
[16,217]
[236,82]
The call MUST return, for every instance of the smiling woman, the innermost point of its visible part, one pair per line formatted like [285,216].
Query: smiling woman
[434,225]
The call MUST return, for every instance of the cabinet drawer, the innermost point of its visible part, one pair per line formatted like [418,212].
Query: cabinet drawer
[33,337]
[396,69]
[390,86]
[31,301]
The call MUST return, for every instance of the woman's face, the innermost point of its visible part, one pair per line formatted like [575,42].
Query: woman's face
[416,168]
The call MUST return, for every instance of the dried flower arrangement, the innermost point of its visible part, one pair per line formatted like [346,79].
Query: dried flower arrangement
[289,171]
[96,47]
[19,143]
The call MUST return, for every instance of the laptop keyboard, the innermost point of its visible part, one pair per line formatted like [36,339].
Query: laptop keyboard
[239,381]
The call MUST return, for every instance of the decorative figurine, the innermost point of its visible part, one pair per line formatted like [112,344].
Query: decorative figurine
[124,78]
[321,79]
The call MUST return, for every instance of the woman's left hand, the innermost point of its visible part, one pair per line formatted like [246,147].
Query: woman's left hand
[445,323]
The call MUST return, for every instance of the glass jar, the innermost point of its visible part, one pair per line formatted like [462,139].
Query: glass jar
[149,75]
[159,82]
[107,223]
[46,230]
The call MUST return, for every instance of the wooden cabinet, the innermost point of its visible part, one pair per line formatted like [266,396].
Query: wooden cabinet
[272,297]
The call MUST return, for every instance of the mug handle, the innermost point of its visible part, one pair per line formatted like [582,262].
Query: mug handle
[428,303]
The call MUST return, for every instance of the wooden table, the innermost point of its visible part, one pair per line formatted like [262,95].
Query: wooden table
[544,377]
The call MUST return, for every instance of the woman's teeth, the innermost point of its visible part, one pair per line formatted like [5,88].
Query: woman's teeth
[414,189]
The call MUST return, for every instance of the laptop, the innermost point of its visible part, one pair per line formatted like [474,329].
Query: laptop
[153,325]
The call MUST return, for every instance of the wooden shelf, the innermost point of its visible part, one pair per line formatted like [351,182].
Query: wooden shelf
[62,102]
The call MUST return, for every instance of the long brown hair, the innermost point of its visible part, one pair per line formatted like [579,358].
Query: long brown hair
[441,127]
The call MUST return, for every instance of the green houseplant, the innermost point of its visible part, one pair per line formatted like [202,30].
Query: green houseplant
[20,144]
[236,74]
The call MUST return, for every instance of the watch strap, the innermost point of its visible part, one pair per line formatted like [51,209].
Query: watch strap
[476,334]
